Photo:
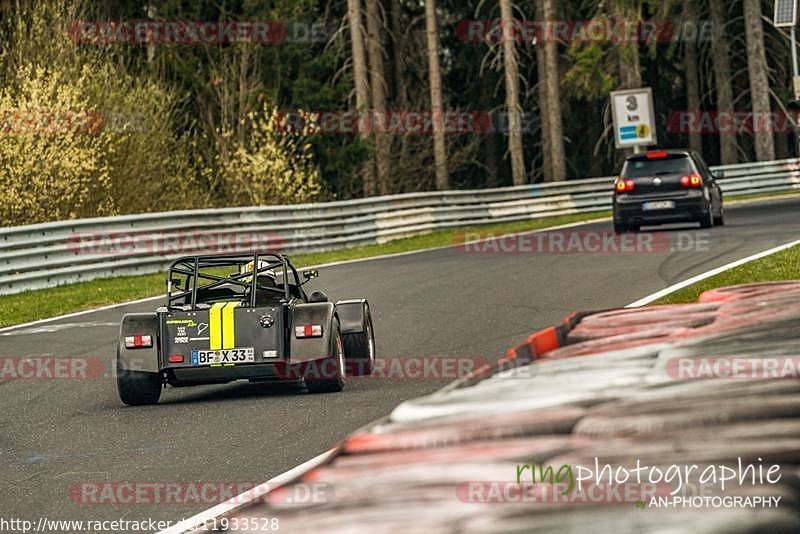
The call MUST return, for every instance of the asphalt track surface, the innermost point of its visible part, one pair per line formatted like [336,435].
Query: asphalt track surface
[55,434]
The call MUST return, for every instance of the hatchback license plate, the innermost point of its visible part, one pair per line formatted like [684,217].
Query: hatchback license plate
[658,205]
[223,356]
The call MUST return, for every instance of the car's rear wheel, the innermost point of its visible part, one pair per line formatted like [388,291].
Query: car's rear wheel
[137,388]
[720,219]
[330,379]
[359,350]
[707,219]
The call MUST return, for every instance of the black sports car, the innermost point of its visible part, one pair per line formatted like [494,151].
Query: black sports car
[256,323]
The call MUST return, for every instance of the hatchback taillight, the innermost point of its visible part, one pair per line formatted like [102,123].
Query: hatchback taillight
[623,185]
[691,180]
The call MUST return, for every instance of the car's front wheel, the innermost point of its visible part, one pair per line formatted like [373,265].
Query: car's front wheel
[137,388]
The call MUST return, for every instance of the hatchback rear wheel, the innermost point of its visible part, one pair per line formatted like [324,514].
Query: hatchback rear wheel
[707,219]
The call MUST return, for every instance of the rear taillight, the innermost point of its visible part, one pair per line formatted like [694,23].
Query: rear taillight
[176,358]
[308,330]
[138,342]
[656,154]
[691,180]
[623,185]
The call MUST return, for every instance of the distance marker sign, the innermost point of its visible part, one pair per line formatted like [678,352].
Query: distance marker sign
[634,120]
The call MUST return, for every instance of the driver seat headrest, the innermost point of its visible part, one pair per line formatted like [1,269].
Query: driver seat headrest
[317,296]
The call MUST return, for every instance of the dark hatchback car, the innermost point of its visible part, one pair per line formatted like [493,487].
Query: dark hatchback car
[666,186]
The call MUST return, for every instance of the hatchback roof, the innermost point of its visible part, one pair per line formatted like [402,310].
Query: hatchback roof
[660,153]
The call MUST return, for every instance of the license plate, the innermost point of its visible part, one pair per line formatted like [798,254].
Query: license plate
[658,205]
[223,356]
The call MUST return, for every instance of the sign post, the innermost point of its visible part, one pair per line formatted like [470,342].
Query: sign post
[786,17]
[634,119]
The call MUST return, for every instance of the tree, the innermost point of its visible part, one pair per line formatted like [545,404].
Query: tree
[553,106]
[360,81]
[512,94]
[378,87]
[273,165]
[759,83]
[400,90]
[722,76]
[78,129]
[544,125]
[692,77]
[630,71]
[435,77]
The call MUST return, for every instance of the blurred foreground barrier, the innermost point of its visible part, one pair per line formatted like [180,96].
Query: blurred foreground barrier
[631,422]
[50,254]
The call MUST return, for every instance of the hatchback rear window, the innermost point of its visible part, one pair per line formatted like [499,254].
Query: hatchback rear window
[654,167]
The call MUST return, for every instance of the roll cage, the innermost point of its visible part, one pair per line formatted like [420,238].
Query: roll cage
[189,273]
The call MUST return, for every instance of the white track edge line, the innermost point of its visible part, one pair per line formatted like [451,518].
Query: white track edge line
[201,520]
[708,274]
[78,313]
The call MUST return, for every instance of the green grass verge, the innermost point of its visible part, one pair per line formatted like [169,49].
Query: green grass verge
[43,303]
[784,265]
[756,196]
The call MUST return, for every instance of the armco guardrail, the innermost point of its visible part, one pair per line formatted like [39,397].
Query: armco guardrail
[49,254]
